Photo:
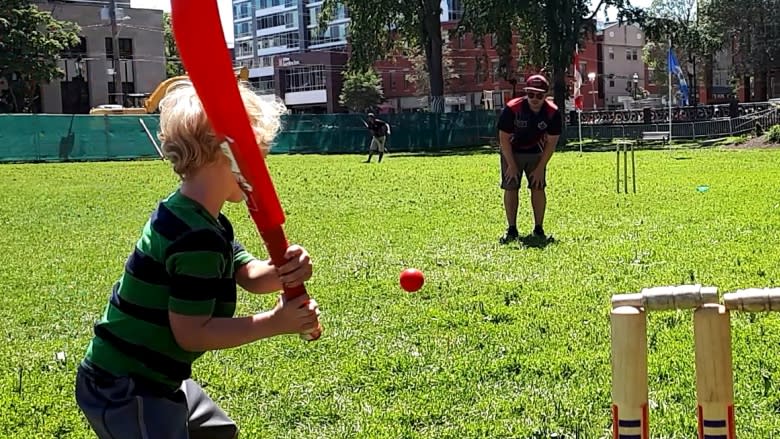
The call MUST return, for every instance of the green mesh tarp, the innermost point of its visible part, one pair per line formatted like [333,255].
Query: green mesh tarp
[45,137]
[34,137]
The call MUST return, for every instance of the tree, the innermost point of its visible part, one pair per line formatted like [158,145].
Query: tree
[362,91]
[548,31]
[420,76]
[377,27]
[497,18]
[31,43]
[173,65]
[753,26]
[691,34]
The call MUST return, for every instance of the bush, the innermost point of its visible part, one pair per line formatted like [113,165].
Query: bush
[773,134]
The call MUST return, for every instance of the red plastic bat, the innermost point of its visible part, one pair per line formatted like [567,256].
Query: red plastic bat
[204,53]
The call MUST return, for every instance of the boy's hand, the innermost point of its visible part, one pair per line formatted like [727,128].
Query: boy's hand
[296,316]
[297,269]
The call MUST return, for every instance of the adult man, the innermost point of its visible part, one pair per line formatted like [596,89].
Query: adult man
[379,132]
[528,130]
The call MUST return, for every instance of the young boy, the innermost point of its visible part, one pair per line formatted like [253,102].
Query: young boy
[177,295]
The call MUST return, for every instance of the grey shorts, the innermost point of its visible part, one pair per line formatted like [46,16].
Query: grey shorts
[122,408]
[525,164]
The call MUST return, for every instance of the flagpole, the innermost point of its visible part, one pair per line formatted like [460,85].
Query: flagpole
[579,121]
[669,70]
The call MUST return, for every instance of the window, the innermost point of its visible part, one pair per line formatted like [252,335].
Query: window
[125,48]
[78,50]
[242,10]
[455,8]
[242,30]
[245,48]
[263,4]
[287,19]
[628,54]
[336,33]
[478,78]
[634,54]
[495,69]
[611,53]
[306,78]
[285,40]
[611,82]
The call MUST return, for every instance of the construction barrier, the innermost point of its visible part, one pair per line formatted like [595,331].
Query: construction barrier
[49,137]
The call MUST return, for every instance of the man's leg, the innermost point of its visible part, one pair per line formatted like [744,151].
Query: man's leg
[511,202]
[539,205]
[538,196]
[381,144]
[207,420]
[371,148]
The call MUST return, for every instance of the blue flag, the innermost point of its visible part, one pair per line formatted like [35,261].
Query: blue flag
[676,70]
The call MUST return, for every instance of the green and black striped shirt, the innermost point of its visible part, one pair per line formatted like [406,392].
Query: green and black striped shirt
[184,262]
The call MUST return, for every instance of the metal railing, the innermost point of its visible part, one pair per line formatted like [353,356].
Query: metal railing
[705,129]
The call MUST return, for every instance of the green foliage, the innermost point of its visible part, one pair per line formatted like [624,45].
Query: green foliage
[420,75]
[377,27]
[501,342]
[31,44]
[173,65]
[549,31]
[361,91]
[773,134]
[753,26]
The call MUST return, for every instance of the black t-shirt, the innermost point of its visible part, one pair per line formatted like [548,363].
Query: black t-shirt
[378,127]
[528,129]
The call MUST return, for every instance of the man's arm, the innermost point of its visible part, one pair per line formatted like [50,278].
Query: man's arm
[506,126]
[551,139]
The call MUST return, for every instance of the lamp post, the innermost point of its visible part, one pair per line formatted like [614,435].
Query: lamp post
[636,84]
[592,79]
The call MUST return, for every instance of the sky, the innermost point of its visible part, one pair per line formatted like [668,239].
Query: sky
[226,12]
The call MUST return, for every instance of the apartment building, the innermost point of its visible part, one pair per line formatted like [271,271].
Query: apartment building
[89,67]
[288,55]
[623,75]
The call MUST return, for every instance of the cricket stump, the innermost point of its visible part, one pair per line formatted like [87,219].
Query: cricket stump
[629,373]
[714,377]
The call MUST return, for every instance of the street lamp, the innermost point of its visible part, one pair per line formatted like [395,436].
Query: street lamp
[592,79]
[636,84]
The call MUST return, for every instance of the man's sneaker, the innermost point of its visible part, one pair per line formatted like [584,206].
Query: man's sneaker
[539,232]
[509,236]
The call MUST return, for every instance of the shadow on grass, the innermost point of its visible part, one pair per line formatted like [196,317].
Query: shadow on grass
[533,241]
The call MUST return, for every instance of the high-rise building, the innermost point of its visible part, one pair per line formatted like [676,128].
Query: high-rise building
[288,54]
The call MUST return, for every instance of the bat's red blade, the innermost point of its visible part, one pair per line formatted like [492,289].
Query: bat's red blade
[198,33]
[204,53]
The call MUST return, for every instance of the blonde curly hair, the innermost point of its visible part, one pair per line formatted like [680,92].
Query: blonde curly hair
[188,140]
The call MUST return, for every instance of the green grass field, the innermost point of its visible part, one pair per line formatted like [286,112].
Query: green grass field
[502,341]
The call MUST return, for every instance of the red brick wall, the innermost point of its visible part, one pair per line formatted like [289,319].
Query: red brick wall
[464,56]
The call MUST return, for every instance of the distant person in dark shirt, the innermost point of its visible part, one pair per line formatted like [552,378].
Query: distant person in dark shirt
[528,130]
[379,132]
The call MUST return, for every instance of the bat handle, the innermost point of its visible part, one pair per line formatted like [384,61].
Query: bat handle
[276,244]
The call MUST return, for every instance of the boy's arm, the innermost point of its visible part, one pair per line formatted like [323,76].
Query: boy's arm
[196,266]
[261,277]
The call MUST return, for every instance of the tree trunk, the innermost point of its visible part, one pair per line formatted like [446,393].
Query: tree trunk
[760,82]
[433,54]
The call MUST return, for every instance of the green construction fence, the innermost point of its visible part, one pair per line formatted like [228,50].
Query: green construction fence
[50,137]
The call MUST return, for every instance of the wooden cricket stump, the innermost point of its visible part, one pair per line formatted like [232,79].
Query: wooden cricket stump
[630,415]
[629,373]
[714,377]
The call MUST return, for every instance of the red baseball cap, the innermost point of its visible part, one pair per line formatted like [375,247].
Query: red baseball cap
[537,83]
